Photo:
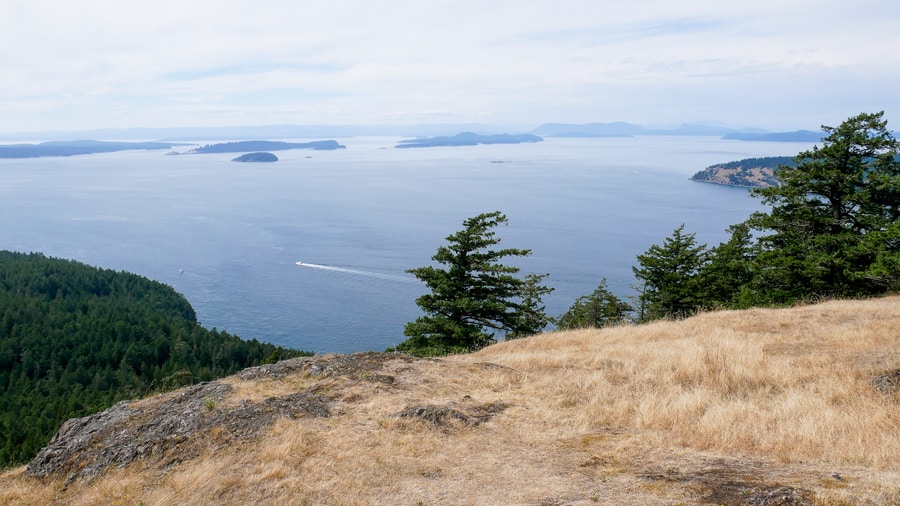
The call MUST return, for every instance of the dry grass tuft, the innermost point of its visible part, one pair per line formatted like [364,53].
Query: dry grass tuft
[732,407]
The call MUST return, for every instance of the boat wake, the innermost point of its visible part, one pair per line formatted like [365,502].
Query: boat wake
[359,272]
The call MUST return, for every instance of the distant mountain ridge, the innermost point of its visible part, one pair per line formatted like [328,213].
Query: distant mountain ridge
[623,129]
[550,129]
[617,129]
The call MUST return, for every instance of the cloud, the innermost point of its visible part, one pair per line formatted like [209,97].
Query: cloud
[95,63]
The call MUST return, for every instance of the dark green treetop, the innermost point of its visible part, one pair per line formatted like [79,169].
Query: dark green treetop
[835,216]
[599,309]
[474,295]
[670,277]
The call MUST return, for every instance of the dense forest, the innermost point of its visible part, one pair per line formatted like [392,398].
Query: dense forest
[75,339]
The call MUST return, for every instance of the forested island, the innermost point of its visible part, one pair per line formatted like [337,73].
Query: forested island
[748,173]
[71,148]
[468,139]
[75,339]
[244,146]
[256,157]
[795,136]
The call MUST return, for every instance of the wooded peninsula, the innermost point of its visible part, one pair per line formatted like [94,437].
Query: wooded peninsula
[76,339]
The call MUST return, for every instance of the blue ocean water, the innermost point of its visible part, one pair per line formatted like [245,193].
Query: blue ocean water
[229,236]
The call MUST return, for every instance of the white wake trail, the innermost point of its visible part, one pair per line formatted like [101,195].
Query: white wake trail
[359,272]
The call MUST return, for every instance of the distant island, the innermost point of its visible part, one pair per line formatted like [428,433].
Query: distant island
[256,157]
[71,148]
[623,129]
[748,173]
[468,139]
[796,136]
[244,146]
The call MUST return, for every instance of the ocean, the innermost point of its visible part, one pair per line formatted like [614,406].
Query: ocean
[229,235]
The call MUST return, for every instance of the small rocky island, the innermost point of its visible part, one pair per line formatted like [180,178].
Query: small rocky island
[747,173]
[468,139]
[256,157]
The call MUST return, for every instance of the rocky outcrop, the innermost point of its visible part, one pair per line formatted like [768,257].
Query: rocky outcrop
[163,431]
[466,413]
[356,365]
[176,426]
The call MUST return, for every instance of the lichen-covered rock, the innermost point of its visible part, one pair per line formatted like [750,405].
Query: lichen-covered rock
[466,413]
[129,431]
[356,365]
[175,427]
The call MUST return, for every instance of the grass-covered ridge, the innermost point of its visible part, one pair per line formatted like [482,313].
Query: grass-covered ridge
[801,405]
[74,339]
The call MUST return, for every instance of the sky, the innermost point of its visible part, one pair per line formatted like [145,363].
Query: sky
[773,64]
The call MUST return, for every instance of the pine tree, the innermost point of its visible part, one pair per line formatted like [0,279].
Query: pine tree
[599,309]
[475,295]
[832,229]
[670,277]
[725,278]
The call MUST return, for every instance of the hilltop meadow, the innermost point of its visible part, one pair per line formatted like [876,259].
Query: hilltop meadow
[761,406]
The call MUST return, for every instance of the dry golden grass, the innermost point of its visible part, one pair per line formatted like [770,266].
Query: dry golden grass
[708,410]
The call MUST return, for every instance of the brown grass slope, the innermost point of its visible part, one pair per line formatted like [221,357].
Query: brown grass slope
[759,407]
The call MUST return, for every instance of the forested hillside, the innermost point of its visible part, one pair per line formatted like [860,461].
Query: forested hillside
[75,339]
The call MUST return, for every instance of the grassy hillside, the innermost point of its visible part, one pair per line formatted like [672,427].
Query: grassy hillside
[789,406]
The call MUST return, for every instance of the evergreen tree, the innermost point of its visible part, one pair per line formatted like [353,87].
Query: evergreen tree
[832,228]
[724,279]
[599,309]
[670,277]
[474,295]
[532,316]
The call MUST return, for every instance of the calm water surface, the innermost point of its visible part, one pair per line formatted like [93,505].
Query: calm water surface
[228,235]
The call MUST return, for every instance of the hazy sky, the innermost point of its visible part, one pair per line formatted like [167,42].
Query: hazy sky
[777,64]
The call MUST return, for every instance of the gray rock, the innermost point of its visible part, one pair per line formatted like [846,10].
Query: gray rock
[85,447]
